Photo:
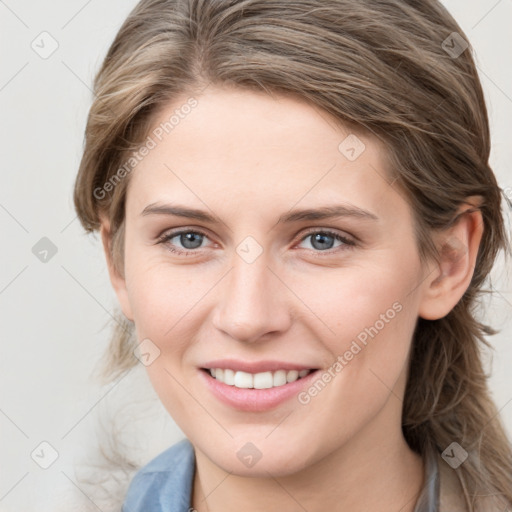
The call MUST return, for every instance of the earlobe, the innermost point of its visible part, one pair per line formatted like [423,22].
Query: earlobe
[451,276]
[117,279]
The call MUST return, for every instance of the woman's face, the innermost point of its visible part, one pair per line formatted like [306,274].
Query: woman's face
[297,254]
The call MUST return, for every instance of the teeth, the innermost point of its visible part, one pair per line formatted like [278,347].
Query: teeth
[229,377]
[242,379]
[279,378]
[263,380]
[292,375]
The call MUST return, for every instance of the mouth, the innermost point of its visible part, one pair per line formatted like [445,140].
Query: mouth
[262,380]
[255,387]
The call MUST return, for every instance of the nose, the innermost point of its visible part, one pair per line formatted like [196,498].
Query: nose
[253,302]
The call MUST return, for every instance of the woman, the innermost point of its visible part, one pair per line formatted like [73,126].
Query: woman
[298,216]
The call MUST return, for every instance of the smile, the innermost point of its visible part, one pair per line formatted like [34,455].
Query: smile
[260,390]
[262,380]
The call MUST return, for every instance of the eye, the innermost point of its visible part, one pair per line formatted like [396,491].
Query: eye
[188,239]
[323,240]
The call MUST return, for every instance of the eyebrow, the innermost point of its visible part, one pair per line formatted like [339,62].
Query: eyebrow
[324,212]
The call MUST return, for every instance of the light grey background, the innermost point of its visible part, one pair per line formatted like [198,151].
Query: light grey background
[55,314]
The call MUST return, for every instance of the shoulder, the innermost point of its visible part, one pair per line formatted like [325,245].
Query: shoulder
[164,483]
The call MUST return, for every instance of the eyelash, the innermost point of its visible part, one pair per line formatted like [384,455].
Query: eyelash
[348,243]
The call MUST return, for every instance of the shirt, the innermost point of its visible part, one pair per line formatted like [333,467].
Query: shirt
[165,483]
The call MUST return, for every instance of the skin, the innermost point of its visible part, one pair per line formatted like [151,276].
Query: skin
[248,158]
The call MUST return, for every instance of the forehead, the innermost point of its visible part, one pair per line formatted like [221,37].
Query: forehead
[255,152]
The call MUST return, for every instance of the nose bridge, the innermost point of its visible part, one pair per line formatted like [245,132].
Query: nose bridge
[251,303]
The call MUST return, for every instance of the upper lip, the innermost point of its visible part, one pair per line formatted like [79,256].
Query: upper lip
[255,366]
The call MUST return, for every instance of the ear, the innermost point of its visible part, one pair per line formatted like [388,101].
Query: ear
[449,278]
[116,276]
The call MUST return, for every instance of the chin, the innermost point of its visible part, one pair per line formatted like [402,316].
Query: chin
[245,458]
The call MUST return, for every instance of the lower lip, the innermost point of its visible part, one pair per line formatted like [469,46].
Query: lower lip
[255,400]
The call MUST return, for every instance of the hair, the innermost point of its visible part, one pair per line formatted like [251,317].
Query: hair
[379,65]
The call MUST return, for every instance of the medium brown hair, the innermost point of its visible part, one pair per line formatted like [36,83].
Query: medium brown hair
[383,66]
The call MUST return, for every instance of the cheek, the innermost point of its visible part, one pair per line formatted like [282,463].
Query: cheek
[374,321]
[371,314]
[161,294]
[361,302]
[163,299]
